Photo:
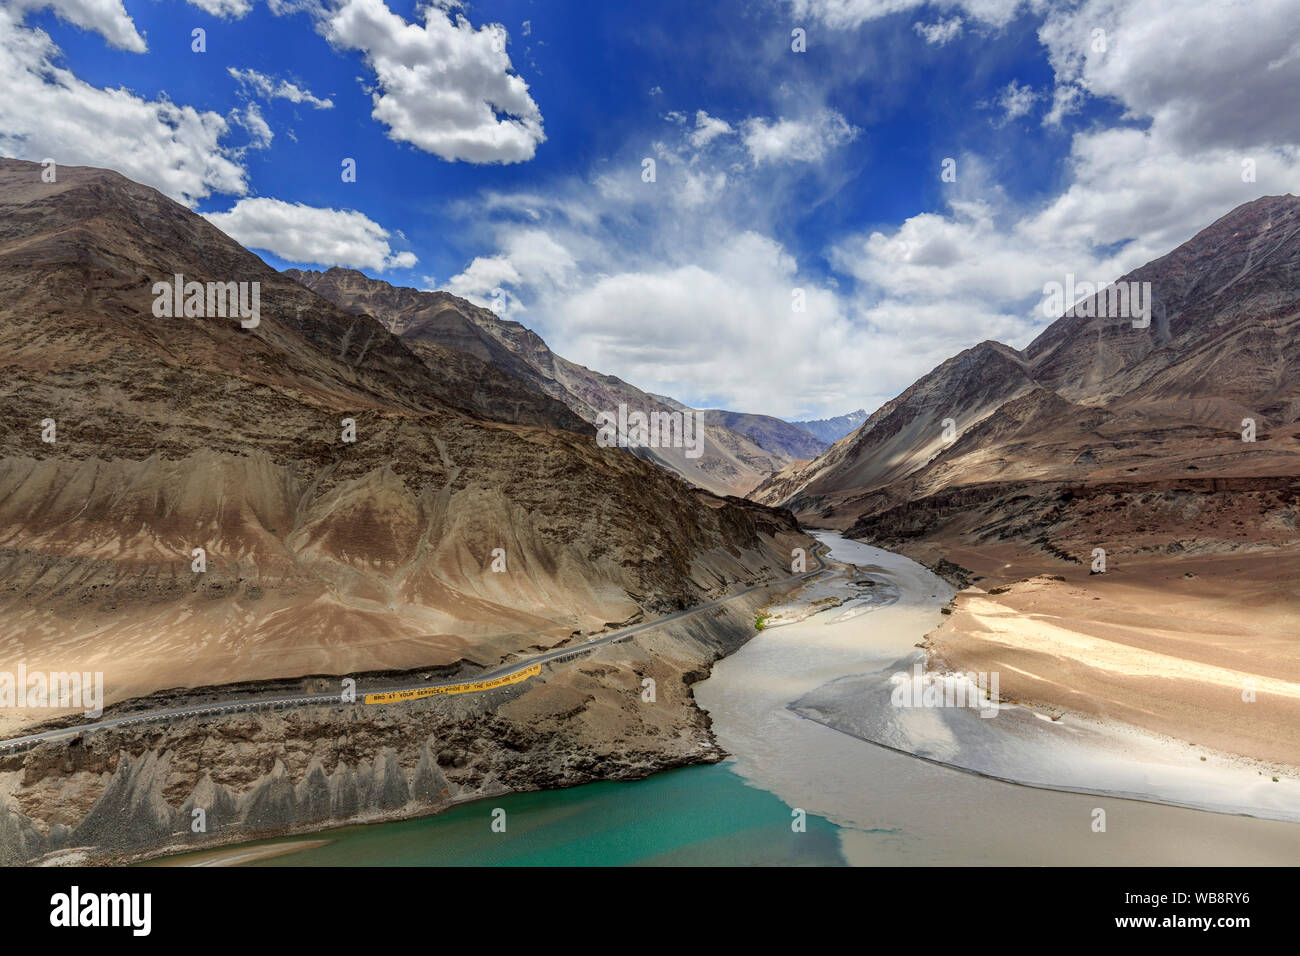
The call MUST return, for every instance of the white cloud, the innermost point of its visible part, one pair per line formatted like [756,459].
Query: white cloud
[537,256]
[259,132]
[722,327]
[1016,100]
[1210,73]
[311,235]
[806,139]
[847,14]
[707,129]
[937,257]
[483,279]
[283,8]
[701,188]
[1117,213]
[1067,98]
[108,18]
[529,257]
[271,88]
[46,111]
[939,33]
[1200,87]
[226,9]
[445,87]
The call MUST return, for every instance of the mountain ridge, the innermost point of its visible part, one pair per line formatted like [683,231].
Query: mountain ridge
[731,463]
[1091,399]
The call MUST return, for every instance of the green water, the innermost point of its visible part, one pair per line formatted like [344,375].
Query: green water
[698,816]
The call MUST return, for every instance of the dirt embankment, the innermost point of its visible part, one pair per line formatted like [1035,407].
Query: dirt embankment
[123,794]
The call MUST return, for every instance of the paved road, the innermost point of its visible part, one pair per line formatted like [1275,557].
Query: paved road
[280,703]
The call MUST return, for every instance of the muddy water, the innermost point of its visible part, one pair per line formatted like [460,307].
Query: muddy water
[895,809]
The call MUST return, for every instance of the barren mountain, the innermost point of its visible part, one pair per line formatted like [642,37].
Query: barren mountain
[733,460]
[773,434]
[1128,554]
[129,440]
[1099,427]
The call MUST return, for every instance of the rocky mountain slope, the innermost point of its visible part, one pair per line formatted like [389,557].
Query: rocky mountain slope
[323,554]
[733,460]
[1098,429]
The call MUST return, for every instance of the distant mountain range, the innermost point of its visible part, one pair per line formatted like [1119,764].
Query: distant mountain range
[831,430]
[1099,431]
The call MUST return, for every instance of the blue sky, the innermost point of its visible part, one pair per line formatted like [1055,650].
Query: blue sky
[500,146]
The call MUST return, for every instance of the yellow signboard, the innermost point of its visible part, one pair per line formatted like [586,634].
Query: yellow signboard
[397,696]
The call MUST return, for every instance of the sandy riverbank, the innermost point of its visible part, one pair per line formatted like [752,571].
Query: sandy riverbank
[829,755]
[1176,646]
[238,856]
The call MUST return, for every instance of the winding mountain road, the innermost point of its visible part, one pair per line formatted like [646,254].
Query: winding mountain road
[304,700]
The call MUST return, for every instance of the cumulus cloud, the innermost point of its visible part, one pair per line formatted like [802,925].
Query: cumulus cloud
[444,86]
[528,257]
[1067,98]
[1210,73]
[802,139]
[47,111]
[271,88]
[311,235]
[484,283]
[1199,86]
[723,327]
[108,18]
[1119,210]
